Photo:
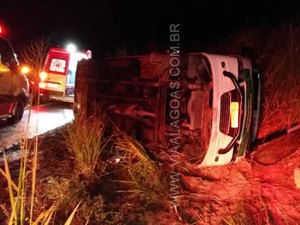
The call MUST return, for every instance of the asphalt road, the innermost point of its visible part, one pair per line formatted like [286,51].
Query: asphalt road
[38,120]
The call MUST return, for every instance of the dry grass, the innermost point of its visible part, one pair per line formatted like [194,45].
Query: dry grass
[244,193]
[85,141]
[143,177]
[22,191]
[65,192]
[241,194]
[276,52]
[281,81]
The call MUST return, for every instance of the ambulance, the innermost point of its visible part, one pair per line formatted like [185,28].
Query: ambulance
[57,80]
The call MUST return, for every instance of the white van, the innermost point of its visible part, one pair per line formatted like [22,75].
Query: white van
[203,105]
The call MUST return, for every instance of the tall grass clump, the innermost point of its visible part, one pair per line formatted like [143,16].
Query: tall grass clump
[85,140]
[144,179]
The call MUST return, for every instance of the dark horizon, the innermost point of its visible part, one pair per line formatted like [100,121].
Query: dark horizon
[140,27]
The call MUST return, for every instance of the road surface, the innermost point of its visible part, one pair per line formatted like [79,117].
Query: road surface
[38,120]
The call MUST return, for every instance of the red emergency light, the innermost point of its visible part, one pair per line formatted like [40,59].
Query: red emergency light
[2,29]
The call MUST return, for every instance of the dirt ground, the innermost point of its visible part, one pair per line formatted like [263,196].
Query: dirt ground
[258,190]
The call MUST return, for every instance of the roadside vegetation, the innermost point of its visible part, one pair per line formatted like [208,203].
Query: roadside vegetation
[90,172]
[275,51]
[119,183]
[33,56]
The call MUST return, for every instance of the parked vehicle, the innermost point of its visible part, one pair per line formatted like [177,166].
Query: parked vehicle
[205,106]
[14,86]
[57,80]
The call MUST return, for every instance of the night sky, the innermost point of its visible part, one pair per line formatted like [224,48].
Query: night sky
[141,26]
